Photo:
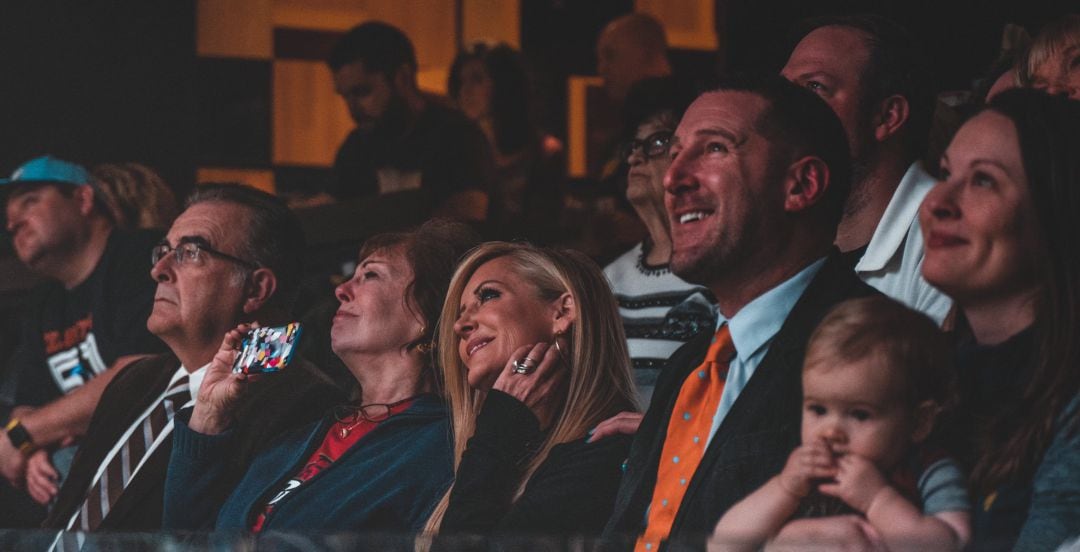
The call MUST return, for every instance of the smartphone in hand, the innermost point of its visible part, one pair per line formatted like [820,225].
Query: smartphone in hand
[267,350]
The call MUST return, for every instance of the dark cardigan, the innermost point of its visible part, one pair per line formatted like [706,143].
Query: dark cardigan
[571,493]
[389,481]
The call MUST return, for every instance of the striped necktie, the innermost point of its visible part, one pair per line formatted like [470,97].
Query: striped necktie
[124,463]
[687,436]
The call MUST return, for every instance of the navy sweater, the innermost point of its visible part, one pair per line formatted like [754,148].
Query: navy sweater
[389,481]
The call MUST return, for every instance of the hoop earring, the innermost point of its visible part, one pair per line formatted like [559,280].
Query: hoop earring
[426,347]
[558,348]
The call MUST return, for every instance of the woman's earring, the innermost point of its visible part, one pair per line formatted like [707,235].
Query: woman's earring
[427,346]
[558,348]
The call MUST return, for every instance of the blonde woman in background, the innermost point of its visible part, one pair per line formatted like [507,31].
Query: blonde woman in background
[1053,62]
[533,355]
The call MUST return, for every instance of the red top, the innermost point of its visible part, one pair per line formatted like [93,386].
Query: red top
[339,439]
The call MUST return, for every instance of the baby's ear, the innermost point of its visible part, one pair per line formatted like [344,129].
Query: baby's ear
[925,414]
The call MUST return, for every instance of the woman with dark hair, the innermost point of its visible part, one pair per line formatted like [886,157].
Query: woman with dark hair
[488,82]
[378,463]
[1003,240]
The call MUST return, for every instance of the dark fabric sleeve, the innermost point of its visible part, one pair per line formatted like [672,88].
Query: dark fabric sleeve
[572,492]
[491,466]
[198,481]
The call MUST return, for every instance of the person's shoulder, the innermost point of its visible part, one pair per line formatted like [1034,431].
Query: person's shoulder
[609,451]
[838,280]
[141,373]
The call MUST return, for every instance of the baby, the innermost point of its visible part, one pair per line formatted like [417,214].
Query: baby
[875,376]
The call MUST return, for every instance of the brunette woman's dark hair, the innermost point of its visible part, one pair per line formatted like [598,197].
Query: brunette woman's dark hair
[511,98]
[1013,444]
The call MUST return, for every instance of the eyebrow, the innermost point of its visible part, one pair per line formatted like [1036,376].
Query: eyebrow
[484,283]
[199,240]
[994,163]
[723,133]
[817,73]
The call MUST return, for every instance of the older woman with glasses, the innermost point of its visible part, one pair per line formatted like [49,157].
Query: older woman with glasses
[378,463]
[647,291]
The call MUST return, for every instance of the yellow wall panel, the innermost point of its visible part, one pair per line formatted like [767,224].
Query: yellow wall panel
[690,24]
[234,28]
[258,179]
[310,120]
[498,20]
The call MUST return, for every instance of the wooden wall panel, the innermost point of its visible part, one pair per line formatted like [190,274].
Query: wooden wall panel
[258,179]
[309,120]
[690,24]
[498,20]
[234,28]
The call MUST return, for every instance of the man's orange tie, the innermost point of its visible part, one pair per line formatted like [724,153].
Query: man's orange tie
[687,436]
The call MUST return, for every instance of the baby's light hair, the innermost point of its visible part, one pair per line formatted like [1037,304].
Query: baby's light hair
[904,340]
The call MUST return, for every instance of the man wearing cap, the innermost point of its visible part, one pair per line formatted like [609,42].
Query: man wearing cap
[88,319]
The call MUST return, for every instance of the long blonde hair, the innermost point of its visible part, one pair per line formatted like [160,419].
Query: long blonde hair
[600,381]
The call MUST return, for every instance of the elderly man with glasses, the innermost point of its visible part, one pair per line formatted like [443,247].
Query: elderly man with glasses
[233,256]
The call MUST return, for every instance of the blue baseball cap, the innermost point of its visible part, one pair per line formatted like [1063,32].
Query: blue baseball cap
[48,169]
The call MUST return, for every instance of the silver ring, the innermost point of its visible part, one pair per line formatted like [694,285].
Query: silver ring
[522,366]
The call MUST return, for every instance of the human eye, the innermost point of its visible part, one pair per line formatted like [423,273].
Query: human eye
[815,409]
[982,180]
[815,87]
[716,147]
[861,414]
[189,251]
[486,294]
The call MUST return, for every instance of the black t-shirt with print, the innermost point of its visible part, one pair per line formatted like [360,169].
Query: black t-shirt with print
[70,336]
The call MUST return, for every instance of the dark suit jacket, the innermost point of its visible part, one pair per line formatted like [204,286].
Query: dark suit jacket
[274,404]
[756,436]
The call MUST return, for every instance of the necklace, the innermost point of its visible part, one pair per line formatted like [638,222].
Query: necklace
[644,267]
[375,413]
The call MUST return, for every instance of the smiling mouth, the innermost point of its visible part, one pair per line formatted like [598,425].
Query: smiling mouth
[473,347]
[694,216]
[937,239]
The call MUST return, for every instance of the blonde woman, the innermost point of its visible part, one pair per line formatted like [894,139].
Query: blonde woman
[533,355]
[1053,62]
